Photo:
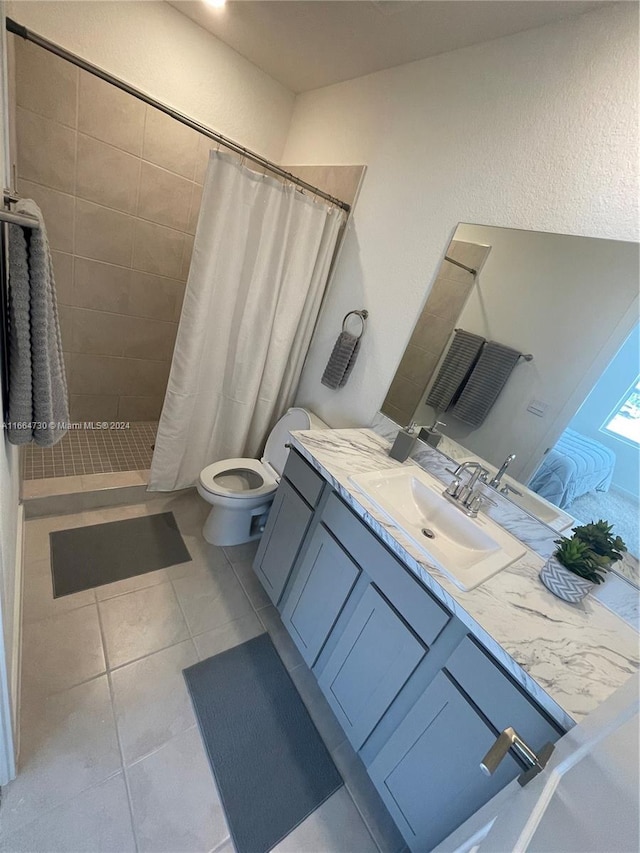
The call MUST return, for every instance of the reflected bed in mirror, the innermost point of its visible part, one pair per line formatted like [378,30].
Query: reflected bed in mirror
[570,414]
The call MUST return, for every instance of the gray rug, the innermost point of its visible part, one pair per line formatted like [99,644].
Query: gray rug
[270,764]
[85,557]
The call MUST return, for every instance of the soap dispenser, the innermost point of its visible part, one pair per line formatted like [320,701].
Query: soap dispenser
[431,434]
[404,443]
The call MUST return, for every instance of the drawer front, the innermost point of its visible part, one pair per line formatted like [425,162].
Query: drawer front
[304,478]
[498,697]
[324,580]
[373,660]
[426,616]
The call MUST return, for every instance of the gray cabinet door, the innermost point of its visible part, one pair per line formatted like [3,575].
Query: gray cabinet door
[286,528]
[325,578]
[373,659]
[428,773]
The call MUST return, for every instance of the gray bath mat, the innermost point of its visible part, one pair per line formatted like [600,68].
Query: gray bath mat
[84,557]
[268,759]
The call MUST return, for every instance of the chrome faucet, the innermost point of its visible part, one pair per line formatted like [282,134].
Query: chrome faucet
[467,496]
[495,482]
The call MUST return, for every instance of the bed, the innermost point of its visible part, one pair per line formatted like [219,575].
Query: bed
[575,466]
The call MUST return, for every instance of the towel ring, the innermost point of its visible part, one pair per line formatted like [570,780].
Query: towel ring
[361,314]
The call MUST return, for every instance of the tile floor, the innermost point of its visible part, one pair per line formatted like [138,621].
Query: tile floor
[92,451]
[111,757]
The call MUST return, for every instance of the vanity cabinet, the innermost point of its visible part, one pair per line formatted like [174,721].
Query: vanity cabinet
[372,661]
[428,773]
[417,696]
[376,644]
[289,518]
[322,585]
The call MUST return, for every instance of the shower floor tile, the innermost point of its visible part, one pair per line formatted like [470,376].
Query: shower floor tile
[93,451]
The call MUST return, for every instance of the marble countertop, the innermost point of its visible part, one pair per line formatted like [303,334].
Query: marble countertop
[569,657]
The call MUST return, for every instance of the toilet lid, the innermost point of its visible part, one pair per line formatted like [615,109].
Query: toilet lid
[275,452]
[237,478]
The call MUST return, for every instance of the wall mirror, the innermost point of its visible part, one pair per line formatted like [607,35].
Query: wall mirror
[569,408]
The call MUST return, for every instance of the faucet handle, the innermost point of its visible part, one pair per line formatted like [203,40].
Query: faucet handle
[453,487]
[506,489]
[478,500]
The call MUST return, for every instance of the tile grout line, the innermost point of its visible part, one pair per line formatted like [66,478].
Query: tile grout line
[64,802]
[161,746]
[117,732]
[228,563]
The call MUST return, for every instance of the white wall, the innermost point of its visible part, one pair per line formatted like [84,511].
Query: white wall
[571,302]
[538,131]
[155,48]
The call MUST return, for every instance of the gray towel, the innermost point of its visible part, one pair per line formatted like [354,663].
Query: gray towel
[456,367]
[38,398]
[341,361]
[487,380]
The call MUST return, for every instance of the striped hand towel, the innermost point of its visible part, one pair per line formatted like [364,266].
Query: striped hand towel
[487,380]
[458,362]
[341,361]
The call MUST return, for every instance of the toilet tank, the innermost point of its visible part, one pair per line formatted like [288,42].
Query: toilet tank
[275,451]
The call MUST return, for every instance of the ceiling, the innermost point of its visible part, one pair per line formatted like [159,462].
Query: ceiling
[306,44]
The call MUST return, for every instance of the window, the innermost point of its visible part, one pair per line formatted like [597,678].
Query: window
[624,421]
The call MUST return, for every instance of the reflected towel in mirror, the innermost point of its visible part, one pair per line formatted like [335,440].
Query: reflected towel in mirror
[486,381]
[456,367]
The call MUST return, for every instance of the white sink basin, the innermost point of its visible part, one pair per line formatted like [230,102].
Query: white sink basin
[529,501]
[467,550]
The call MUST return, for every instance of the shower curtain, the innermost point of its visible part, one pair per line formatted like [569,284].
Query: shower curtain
[260,263]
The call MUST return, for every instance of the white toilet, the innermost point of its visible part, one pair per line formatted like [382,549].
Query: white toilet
[241,491]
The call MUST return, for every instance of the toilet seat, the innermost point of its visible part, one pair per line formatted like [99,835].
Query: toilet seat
[241,491]
[211,478]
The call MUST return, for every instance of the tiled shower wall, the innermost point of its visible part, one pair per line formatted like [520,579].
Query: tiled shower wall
[119,184]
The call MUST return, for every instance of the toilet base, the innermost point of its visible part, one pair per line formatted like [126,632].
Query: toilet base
[234,527]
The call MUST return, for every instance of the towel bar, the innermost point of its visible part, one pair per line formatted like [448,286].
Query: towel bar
[527,357]
[16,218]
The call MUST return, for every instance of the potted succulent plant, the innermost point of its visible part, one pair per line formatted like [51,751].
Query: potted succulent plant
[580,562]
[598,535]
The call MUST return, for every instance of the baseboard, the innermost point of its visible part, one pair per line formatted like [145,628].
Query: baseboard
[624,492]
[16,657]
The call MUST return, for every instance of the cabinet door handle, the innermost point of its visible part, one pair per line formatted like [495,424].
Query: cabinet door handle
[511,739]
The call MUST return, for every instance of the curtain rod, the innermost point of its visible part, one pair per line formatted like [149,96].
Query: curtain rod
[29,35]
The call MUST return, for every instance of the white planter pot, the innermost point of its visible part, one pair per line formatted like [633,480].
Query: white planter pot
[563,583]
